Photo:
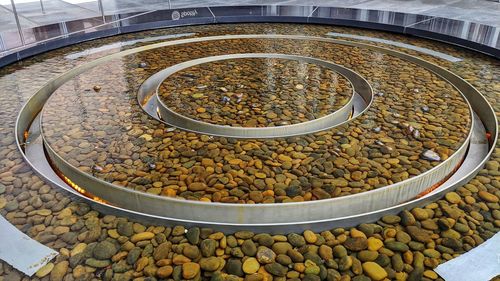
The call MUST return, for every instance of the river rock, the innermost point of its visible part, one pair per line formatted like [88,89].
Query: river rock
[265,255]
[356,244]
[104,250]
[276,269]
[190,270]
[59,271]
[375,271]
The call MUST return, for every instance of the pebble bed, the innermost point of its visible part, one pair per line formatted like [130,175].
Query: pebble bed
[416,121]
[94,246]
[255,92]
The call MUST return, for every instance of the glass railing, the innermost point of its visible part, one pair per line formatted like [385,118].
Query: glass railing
[25,23]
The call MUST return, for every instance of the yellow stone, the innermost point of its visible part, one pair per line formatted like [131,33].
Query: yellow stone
[453,197]
[64,252]
[44,270]
[165,271]
[207,162]
[310,237]
[169,192]
[119,256]
[44,212]
[200,110]
[284,158]
[299,155]
[146,137]
[342,238]
[374,271]
[268,193]
[280,238]
[251,265]
[293,274]
[393,161]
[113,233]
[300,267]
[401,276]
[59,271]
[66,212]
[387,140]
[374,244]
[260,175]
[357,234]
[142,236]
[3,202]
[223,243]
[79,271]
[265,274]
[180,259]
[141,264]
[58,230]
[488,197]
[216,235]
[190,270]
[390,233]
[408,257]
[235,161]
[78,249]
[430,274]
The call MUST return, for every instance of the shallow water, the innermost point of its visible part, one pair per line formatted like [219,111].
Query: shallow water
[105,132]
[255,92]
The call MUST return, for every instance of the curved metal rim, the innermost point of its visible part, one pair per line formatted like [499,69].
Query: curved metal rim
[279,227]
[329,121]
[487,115]
[301,203]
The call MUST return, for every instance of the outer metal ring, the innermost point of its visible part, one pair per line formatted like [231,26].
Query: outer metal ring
[312,214]
[238,213]
[326,122]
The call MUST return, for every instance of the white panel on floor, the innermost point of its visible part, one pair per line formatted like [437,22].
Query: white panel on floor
[20,251]
[479,264]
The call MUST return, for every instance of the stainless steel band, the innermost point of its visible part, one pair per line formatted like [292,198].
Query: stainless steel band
[326,122]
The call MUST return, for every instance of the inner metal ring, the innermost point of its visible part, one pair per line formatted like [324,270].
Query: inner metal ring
[331,120]
[320,214]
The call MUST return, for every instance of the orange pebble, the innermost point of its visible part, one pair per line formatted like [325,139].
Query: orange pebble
[307,196]
[169,192]
[268,193]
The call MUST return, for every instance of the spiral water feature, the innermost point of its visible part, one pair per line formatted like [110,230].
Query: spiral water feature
[241,130]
